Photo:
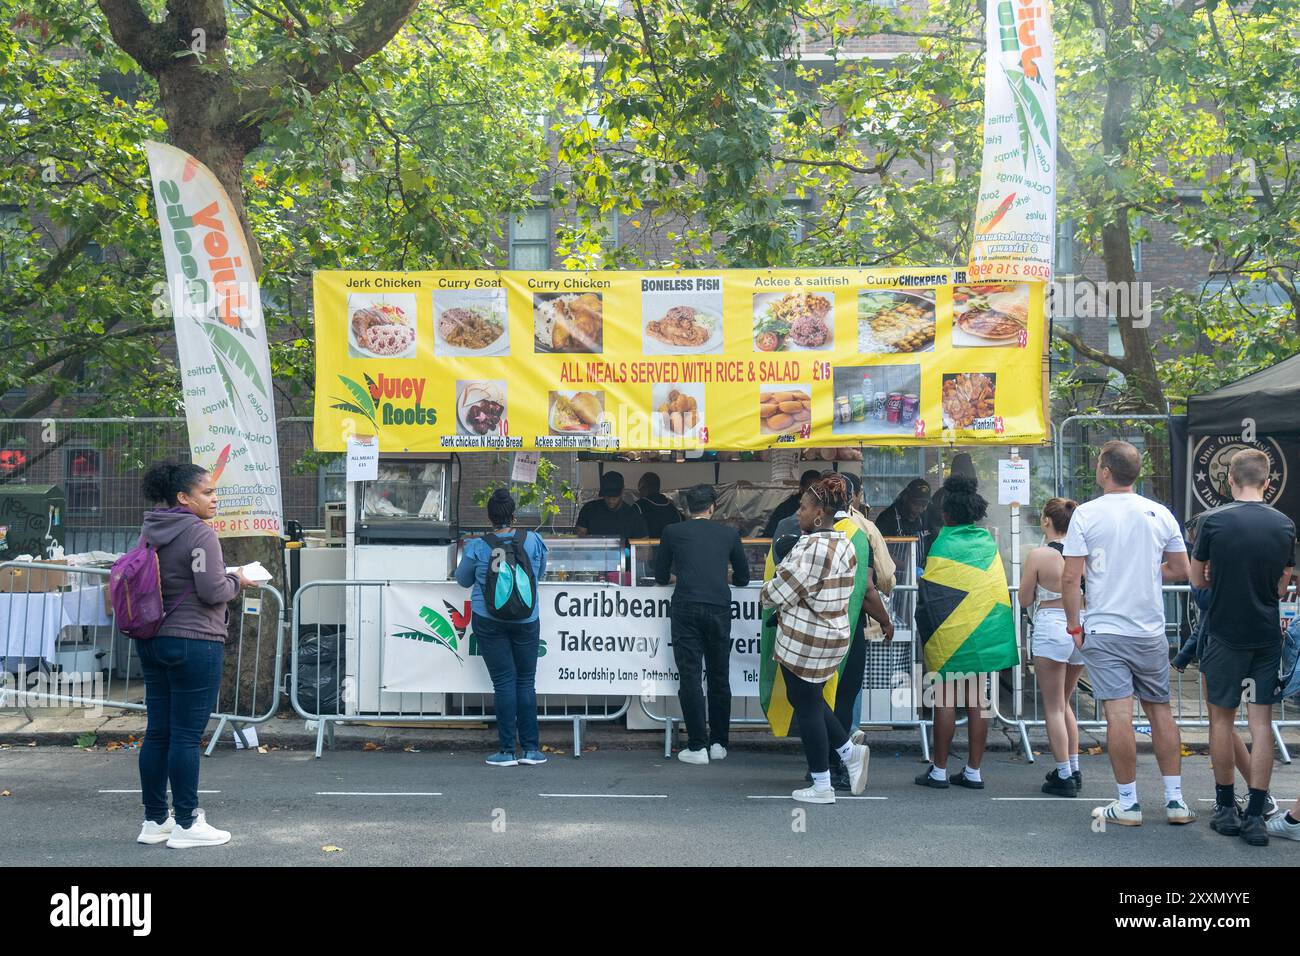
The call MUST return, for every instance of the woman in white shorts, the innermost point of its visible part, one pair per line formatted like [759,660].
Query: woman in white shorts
[1057,662]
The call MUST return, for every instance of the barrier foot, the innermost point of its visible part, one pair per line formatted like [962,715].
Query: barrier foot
[216,735]
[320,737]
[1281,744]
[1024,741]
[925,742]
[577,738]
[669,727]
[329,733]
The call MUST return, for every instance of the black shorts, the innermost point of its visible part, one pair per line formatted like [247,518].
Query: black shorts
[1232,673]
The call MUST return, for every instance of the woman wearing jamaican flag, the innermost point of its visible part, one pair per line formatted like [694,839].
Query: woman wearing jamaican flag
[963,614]
[816,591]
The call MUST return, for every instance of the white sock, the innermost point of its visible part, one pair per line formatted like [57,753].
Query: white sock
[1128,794]
[1063,770]
[1074,762]
[939,773]
[971,775]
[822,781]
[846,751]
[1173,788]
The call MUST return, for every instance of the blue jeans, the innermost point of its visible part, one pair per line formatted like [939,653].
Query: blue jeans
[182,678]
[509,649]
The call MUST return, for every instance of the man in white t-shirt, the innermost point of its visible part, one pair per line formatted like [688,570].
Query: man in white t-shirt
[1126,546]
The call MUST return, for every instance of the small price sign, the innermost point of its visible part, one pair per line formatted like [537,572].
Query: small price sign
[998,426]
[1022,338]
[918,428]
[704,434]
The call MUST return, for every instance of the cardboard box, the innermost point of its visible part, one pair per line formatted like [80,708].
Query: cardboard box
[19,580]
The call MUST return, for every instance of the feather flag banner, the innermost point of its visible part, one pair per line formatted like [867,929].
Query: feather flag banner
[220,343]
[1015,219]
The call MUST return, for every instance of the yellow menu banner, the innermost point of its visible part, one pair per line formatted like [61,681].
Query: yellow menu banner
[734,359]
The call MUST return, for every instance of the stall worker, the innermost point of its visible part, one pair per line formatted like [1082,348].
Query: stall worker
[787,508]
[654,506]
[609,516]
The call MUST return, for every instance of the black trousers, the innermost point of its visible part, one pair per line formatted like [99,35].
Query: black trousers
[817,723]
[702,650]
[850,685]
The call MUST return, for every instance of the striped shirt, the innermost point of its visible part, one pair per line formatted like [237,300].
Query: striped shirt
[811,590]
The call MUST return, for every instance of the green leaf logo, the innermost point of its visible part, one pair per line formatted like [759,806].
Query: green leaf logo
[229,350]
[440,632]
[361,402]
[1029,114]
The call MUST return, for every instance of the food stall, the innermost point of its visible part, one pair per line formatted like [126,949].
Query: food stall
[441,365]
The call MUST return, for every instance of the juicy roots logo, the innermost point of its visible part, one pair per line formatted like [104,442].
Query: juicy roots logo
[1213,454]
[368,401]
[1018,21]
[76,909]
[439,630]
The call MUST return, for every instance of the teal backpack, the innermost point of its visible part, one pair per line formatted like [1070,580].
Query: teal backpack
[510,591]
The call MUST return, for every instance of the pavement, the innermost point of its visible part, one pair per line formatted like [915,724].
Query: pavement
[444,806]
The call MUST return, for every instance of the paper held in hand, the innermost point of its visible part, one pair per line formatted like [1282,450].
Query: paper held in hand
[254,572]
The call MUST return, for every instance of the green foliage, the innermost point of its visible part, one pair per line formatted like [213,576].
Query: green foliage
[546,493]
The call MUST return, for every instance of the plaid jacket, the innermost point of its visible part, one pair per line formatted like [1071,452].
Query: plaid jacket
[811,590]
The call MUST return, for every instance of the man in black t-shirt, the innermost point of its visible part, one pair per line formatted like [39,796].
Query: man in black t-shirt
[657,510]
[609,516]
[1245,553]
[698,553]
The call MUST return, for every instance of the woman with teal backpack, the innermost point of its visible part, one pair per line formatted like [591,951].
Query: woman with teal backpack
[503,569]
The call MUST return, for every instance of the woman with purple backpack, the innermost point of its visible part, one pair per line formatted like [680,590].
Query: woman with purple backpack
[182,663]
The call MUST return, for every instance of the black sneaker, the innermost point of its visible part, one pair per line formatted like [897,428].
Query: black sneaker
[961,780]
[840,780]
[1078,780]
[1059,786]
[925,780]
[1226,820]
[1254,831]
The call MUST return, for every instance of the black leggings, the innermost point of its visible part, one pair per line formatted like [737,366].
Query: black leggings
[850,685]
[817,724]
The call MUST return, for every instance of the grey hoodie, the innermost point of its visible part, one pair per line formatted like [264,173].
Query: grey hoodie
[190,559]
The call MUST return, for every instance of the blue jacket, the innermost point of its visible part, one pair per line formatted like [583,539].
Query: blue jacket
[473,568]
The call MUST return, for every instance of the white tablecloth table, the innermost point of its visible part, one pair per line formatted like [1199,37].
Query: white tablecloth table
[30,623]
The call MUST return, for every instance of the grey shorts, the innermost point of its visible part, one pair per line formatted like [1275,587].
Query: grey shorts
[1120,666]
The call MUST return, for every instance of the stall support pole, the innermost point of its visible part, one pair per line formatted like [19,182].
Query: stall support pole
[577,737]
[1018,675]
[670,725]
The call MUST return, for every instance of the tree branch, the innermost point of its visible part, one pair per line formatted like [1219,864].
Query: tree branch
[1088,352]
[135,33]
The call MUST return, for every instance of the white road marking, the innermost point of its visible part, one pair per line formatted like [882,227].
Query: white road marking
[608,796]
[788,797]
[377,793]
[1064,800]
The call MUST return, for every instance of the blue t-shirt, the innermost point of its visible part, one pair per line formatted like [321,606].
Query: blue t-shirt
[473,569]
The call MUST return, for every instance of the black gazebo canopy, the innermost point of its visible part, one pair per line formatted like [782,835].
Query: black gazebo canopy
[1271,397]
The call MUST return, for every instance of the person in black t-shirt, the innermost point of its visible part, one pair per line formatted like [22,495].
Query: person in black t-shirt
[787,508]
[657,510]
[905,518]
[699,551]
[608,516]
[1245,553]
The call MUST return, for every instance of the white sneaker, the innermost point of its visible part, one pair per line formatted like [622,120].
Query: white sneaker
[1178,812]
[700,756]
[1278,827]
[813,795]
[717,752]
[858,737]
[1114,812]
[1271,809]
[857,766]
[199,833]
[153,833]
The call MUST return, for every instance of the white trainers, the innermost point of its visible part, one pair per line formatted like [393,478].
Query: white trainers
[154,833]
[1278,827]
[857,767]
[858,737]
[1122,816]
[813,795]
[717,752]
[1178,812]
[700,756]
[199,833]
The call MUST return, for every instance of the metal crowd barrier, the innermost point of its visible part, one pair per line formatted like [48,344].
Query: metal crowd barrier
[1188,710]
[55,642]
[324,620]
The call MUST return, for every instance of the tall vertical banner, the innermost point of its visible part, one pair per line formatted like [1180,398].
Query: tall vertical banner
[220,341]
[1015,219]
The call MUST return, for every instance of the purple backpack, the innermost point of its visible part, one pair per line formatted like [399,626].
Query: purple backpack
[135,588]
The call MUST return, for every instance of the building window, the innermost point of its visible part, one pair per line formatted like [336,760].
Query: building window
[799,208]
[1064,248]
[83,481]
[530,239]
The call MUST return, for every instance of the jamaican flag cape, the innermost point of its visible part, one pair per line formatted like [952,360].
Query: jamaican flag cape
[771,682]
[963,611]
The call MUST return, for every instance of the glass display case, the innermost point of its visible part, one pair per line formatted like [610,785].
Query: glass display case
[589,560]
[644,551]
[410,502]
